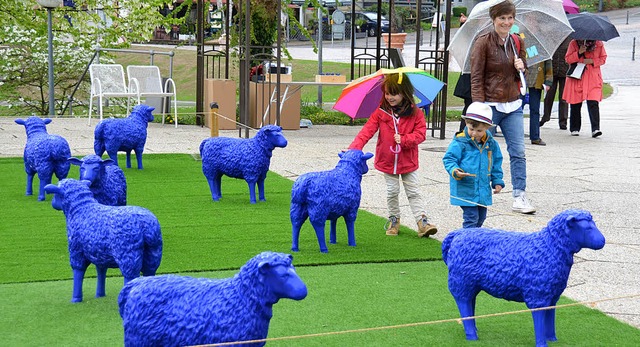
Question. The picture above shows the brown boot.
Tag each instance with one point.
(425, 229)
(393, 226)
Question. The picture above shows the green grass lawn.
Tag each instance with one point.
(381, 282)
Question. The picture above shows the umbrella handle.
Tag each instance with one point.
(523, 84)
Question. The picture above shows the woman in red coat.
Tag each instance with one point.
(589, 87)
(401, 127)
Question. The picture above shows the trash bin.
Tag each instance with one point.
(222, 91)
(260, 94)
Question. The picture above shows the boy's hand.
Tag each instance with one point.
(460, 173)
(497, 189)
(396, 137)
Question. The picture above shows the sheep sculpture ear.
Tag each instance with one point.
(47, 120)
(263, 268)
(368, 156)
(108, 162)
(75, 161)
(20, 121)
(52, 189)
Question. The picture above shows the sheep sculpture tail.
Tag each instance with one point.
(152, 239)
(98, 142)
(446, 244)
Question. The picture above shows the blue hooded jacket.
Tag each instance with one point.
(483, 160)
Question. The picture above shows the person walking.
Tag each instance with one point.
(463, 91)
(588, 87)
(463, 86)
(495, 78)
(474, 163)
(560, 67)
(539, 78)
(401, 127)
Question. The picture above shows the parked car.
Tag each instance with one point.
(368, 22)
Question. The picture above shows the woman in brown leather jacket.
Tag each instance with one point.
(495, 78)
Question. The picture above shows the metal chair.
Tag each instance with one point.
(107, 81)
(145, 80)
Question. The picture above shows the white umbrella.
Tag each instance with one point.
(542, 23)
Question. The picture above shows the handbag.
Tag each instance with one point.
(576, 70)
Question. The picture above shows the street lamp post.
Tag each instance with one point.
(50, 5)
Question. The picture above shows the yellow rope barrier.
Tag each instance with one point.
(449, 320)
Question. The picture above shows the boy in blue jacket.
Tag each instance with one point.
(474, 163)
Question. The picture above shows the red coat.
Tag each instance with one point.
(413, 131)
(589, 87)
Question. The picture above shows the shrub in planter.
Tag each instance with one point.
(459, 10)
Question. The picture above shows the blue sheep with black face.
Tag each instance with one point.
(525, 267)
(247, 159)
(108, 184)
(329, 195)
(44, 154)
(124, 237)
(124, 135)
(172, 310)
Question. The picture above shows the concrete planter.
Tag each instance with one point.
(397, 40)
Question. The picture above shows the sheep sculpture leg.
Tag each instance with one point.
(215, 185)
(138, 151)
(102, 279)
(467, 307)
(78, 277)
(30, 174)
(318, 226)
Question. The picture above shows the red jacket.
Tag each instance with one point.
(413, 131)
(589, 87)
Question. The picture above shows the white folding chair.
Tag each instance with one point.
(145, 80)
(107, 81)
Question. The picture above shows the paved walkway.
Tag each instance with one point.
(600, 175)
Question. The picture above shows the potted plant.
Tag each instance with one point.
(360, 30)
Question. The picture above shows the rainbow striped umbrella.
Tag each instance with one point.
(362, 96)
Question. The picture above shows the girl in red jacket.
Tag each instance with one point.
(401, 127)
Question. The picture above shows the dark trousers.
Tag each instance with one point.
(575, 122)
(467, 102)
(563, 107)
(473, 216)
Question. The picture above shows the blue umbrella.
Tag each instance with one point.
(589, 26)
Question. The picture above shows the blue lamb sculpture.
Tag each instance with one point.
(525, 267)
(172, 310)
(329, 195)
(124, 237)
(124, 135)
(248, 159)
(108, 184)
(44, 154)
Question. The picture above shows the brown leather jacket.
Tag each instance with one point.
(493, 77)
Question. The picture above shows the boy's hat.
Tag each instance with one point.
(480, 112)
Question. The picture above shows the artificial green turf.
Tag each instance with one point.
(341, 297)
(198, 234)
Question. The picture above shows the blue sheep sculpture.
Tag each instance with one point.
(44, 154)
(248, 159)
(124, 237)
(108, 184)
(124, 135)
(172, 310)
(329, 195)
(525, 267)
